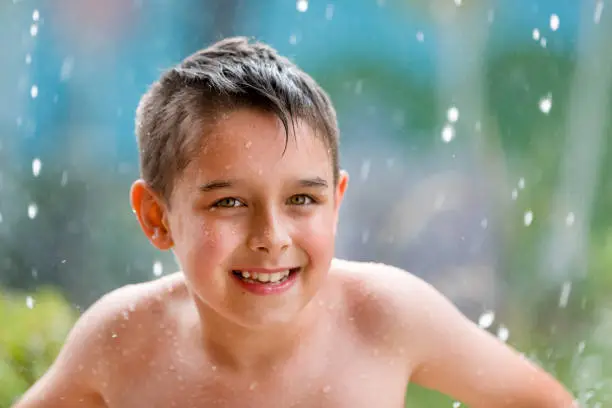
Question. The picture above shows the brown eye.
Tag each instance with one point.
(300, 199)
(228, 202)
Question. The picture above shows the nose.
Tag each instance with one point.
(269, 234)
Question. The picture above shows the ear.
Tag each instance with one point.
(151, 212)
(343, 179)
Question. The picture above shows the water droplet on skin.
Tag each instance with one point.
(32, 211)
(452, 114)
(535, 34)
(34, 30)
(326, 389)
(252, 386)
(554, 22)
(448, 133)
(420, 36)
(114, 335)
(34, 91)
(36, 166)
(565, 292)
(329, 12)
(248, 145)
(486, 319)
(158, 268)
(302, 6)
(214, 368)
(570, 219)
(528, 218)
(30, 302)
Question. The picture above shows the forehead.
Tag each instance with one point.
(249, 141)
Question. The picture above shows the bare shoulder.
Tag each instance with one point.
(101, 342)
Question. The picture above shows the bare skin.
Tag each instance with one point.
(342, 334)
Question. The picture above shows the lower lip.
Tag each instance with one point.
(258, 288)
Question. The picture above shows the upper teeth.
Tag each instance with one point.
(265, 277)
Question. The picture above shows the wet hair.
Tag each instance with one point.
(174, 115)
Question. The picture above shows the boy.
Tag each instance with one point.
(240, 179)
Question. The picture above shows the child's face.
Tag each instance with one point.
(252, 201)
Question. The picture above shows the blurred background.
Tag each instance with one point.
(476, 133)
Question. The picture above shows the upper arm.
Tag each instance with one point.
(457, 358)
(80, 369)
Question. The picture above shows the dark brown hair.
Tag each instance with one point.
(230, 74)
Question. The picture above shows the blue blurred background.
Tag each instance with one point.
(475, 132)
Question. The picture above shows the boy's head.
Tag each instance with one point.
(240, 178)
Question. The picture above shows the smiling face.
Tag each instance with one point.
(253, 206)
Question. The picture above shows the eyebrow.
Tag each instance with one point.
(221, 184)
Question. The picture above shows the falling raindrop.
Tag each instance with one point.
(34, 30)
(554, 22)
(456, 404)
(329, 12)
(528, 218)
(458, 2)
(293, 39)
(0, 217)
(36, 166)
(64, 179)
(503, 333)
(484, 223)
(365, 169)
(598, 10)
(365, 235)
(545, 104)
(302, 6)
(535, 34)
(514, 194)
(565, 292)
(543, 42)
(35, 15)
(486, 319)
(521, 183)
(32, 211)
(158, 268)
(34, 91)
(28, 59)
(30, 302)
(420, 36)
(570, 219)
(448, 133)
(452, 114)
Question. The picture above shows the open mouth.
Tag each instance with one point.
(274, 278)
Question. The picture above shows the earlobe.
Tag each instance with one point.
(151, 214)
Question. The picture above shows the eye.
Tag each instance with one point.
(228, 202)
(300, 199)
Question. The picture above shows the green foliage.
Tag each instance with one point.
(30, 338)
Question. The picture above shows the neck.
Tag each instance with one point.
(239, 347)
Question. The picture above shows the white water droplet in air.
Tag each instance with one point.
(566, 289)
(486, 319)
(514, 193)
(456, 404)
(30, 302)
(34, 30)
(503, 333)
(535, 34)
(452, 114)
(302, 6)
(521, 183)
(484, 223)
(448, 133)
(420, 36)
(528, 218)
(365, 236)
(64, 179)
(570, 219)
(35, 15)
(598, 10)
(34, 91)
(32, 211)
(0, 217)
(543, 42)
(28, 59)
(545, 104)
(329, 11)
(365, 169)
(293, 39)
(554, 22)
(158, 268)
(36, 166)
(458, 2)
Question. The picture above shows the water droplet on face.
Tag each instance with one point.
(36, 166)
(448, 133)
(598, 10)
(452, 114)
(365, 169)
(32, 211)
(302, 6)
(329, 12)
(554, 22)
(486, 319)
(565, 292)
(528, 218)
(34, 91)
(570, 219)
(158, 268)
(29, 302)
(252, 386)
(326, 389)
(503, 333)
(248, 145)
(420, 36)
(114, 335)
(34, 30)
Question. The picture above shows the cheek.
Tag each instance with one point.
(317, 236)
(208, 243)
